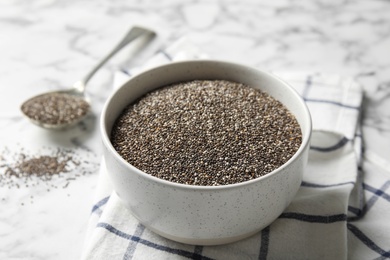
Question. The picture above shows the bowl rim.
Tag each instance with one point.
(108, 145)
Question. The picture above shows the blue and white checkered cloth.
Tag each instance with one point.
(338, 213)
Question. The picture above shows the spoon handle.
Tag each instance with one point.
(133, 34)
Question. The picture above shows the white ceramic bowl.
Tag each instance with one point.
(205, 215)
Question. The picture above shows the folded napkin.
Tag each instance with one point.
(320, 223)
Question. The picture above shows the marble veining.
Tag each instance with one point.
(49, 44)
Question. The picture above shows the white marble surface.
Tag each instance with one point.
(49, 44)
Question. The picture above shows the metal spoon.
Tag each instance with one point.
(75, 96)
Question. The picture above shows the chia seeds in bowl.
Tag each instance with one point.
(206, 133)
(207, 130)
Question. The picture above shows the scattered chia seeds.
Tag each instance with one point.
(54, 167)
(206, 133)
(55, 108)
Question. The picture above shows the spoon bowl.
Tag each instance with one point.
(56, 109)
(65, 108)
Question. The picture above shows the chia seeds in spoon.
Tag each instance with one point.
(206, 133)
(55, 108)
